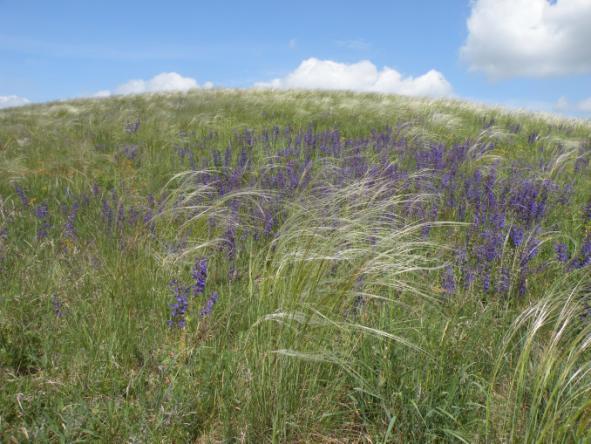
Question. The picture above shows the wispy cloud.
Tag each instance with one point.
(566, 106)
(355, 44)
(146, 52)
(585, 105)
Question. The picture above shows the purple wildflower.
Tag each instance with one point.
(584, 258)
(504, 281)
(356, 307)
(107, 212)
(120, 215)
(515, 128)
(523, 282)
(269, 223)
(96, 190)
(199, 274)
(531, 250)
(581, 163)
(132, 127)
(486, 281)
(41, 213)
(134, 215)
(69, 228)
(516, 234)
(178, 310)
(22, 196)
(425, 230)
(449, 281)
(228, 156)
(151, 200)
(208, 307)
(562, 253)
(130, 151)
(587, 212)
(532, 138)
(149, 221)
(230, 241)
(469, 277)
(565, 194)
(217, 159)
(243, 158)
(491, 246)
(58, 307)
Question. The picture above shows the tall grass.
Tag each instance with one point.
(539, 390)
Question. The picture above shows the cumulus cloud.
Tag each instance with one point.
(11, 101)
(362, 76)
(166, 81)
(535, 38)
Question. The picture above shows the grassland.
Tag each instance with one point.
(255, 266)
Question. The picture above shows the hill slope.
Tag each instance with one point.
(293, 266)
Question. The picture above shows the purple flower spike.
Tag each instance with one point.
(587, 212)
(199, 275)
(69, 229)
(132, 127)
(41, 211)
(208, 307)
(504, 281)
(179, 309)
(486, 282)
(22, 196)
(58, 307)
(449, 281)
(562, 253)
(516, 235)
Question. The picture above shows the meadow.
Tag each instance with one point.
(259, 266)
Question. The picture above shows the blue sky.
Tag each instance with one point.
(522, 53)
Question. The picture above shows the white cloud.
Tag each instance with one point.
(585, 105)
(166, 81)
(565, 106)
(10, 101)
(536, 38)
(362, 76)
(102, 93)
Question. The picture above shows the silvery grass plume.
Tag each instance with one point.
(342, 259)
(190, 203)
(545, 397)
(356, 231)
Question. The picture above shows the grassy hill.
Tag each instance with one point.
(258, 266)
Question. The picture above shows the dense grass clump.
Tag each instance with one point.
(293, 267)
